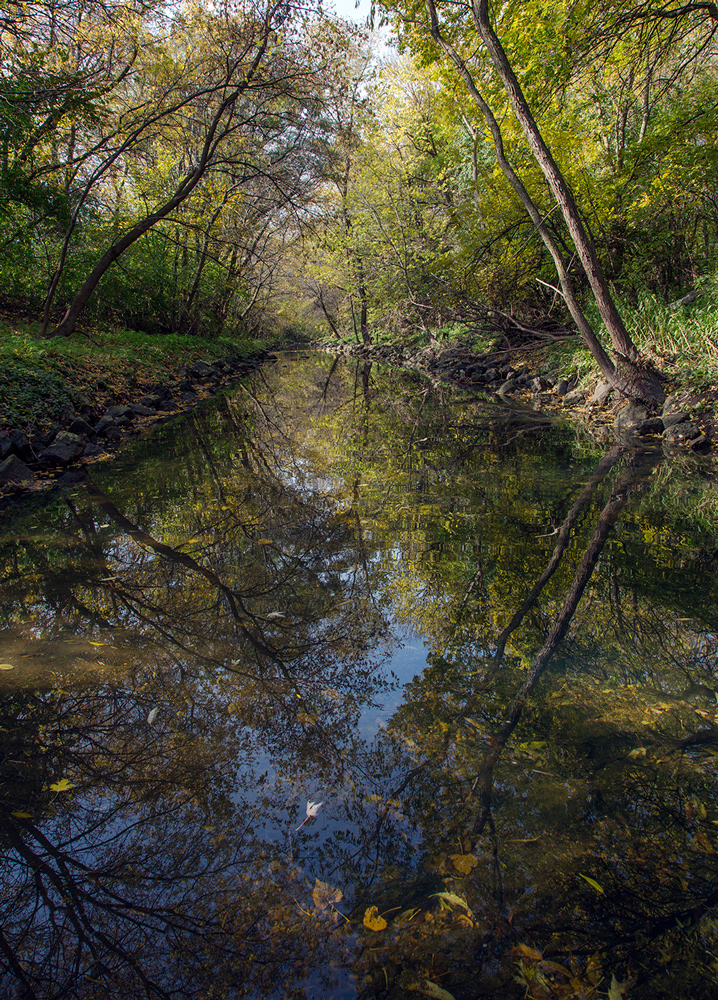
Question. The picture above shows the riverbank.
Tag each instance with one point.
(688, 420)
(69, 402)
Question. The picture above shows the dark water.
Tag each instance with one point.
(487, 649)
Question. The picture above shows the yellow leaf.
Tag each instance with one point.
(63, 785)
(592, 882)
(464, 862)
(95, 643)
(373, 921)
(526, 952)
(20, 815)
(265, 541)
(6, 666)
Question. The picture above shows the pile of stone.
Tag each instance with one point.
(90, 431)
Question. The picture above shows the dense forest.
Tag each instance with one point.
(229, 168)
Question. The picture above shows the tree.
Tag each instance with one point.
(628, 372)
(234, 101)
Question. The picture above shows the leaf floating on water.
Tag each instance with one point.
(63, 785)
(152, 716)
(618, 990)
(20, 815)
(592, 882)
(372, 920)
(312, 810)
(638, 752)
(454, 900)
(276, 614)
(6, 666)
(264, 541)
(325, 895)
(91, 643)
(430, 989)
(464, 863)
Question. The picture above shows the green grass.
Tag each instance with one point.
(40, 379)
(682, 342)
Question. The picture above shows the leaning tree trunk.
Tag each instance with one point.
(641, 382)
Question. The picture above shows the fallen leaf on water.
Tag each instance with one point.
(372, 920)
(638, 752)
(464, 863)
(6, 666)
(20, 815)
(152, 716)
(312, 810)
(63, 785)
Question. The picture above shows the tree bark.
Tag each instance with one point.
(640, 381)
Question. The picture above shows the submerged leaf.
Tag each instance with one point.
(464, 862)
(454, 900)
(325, 895)
(373, 920)
(618, 990)
(592, 882)
(6, 666)
(430, 989)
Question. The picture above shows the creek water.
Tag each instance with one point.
(485, 647)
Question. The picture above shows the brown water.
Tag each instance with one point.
(487, 649)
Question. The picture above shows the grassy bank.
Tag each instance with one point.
(40, 380)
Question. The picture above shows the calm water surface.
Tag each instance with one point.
(486, 648)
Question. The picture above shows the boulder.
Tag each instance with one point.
(506, 387)
(5, 445)
(682, 433)
(120, 411)
(630, 418)
(151, 401)
(654, 425)
(673, 417)
(103, 425)
(66, 447)
(12, 470)
(91, 450)
(601, 393)
(574, 397)
(80, 426)
(20, 443)
(142, 411)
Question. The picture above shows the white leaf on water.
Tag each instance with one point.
(152, 716)
(312, 810)
(276, 614)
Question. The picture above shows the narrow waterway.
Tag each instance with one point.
(346, 686)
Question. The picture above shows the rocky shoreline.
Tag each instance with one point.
(685, 423)
(33, 459)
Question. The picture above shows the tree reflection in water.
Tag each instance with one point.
(248, 582)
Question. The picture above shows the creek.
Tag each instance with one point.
(484, 646)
